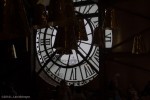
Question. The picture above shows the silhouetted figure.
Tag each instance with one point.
(113, 89)
(63, 91)
(146, 92)
(132, 93)
(78, 94)
(14, 30)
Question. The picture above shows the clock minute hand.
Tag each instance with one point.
(87, 61)
(50, 59)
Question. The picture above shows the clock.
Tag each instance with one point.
(77, 68)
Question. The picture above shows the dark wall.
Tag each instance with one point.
(132, 18)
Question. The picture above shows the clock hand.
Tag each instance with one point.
(82, 50)
(50, 59)
(68, 60)
(85, 9)
(85, 43)
(90, 7)
(54, 63)
(87, 61)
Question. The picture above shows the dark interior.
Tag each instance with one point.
(119, 64)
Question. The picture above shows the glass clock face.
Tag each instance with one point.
(77, 68)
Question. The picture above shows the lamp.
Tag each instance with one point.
(70, 28)
(40, 16)
(55, 12)
(80, 29)
(138, 45)
(65, 41)
(98, 37)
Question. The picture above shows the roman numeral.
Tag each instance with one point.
(108, 37)
(48, 49)
(87, 61)
(89, 8)
(96, 56)
(42, 62)
(58, 71)
(39, 52)
(88, 70)
(47, 41)
(45, 57)
(95, 59)
(73, 75)
(42, 41)
(46, 62)
(47, 69)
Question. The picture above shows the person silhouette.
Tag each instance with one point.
(63, 91)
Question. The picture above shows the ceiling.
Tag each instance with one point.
(136, 6)
(139, 7)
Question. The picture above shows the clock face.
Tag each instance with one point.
(79, 67)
